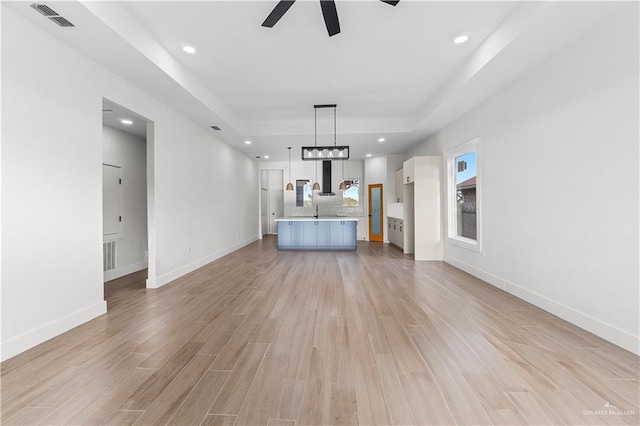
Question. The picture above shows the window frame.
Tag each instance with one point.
(307, 182)
(359, 199)
(451, 194)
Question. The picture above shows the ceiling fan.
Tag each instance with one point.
(329, 13)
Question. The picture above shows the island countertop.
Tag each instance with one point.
(319, 218)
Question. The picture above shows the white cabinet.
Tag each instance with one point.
(395, 233)
(408, 170)
(400, 186)
(422, 229)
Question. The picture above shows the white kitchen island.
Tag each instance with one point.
(321, 233)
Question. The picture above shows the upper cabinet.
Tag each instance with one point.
(400, 186)
(409, 171)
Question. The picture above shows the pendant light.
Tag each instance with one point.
(316, 185)
(343, 184)
(289, 185)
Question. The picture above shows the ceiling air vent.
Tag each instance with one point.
(215, 127)
(61, 21)
(44, 9)
(53, 16)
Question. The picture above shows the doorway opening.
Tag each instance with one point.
(125, 193)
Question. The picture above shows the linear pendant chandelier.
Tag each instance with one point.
(329, 152)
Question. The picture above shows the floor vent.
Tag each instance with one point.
(108, 256)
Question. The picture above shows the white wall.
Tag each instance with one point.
(129, 152)
(560, 183)
(51, 187)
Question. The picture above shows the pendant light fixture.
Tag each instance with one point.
(343, 184)
(289, 185)
(316, 185)
(328, 152)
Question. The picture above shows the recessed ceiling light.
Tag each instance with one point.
(127, 122)
(247, 142)
(368, 155)
(461, 39)
(189, 49)
(266, 156)
(381, 140)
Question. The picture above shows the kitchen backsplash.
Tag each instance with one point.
(328, 205)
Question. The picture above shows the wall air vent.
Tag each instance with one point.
(108, 256)
(53, 16)
(61, 21)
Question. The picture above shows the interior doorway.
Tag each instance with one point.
(375, 213)
(125, 192)
(273, 182)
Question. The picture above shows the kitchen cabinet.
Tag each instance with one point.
(310, 233)
(324, 232)
(408, 171)
(422, 228)
(395, 232)
(400, 186)
(317, 234)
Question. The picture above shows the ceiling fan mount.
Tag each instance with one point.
(329, 12)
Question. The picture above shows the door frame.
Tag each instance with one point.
(264, 212)
(376, 237)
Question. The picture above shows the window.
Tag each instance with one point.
(303, 193)
(351, 195)
(464, 196)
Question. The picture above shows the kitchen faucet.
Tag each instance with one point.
(316, 215)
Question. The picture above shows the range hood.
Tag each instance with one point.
(326, 179)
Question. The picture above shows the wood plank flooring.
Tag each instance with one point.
(262, 337)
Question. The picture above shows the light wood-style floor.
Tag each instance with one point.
(263, 337)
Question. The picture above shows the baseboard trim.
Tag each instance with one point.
(476, 272)
(593, 325)
(158, 282)
(28, 340)
(125, 270)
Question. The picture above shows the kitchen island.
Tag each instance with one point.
(317, 233)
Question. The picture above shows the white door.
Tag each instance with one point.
(276, 205)
(111, 216)
(264, 210)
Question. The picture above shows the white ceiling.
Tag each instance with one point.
(394, 72)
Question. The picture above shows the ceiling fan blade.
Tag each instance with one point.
(277, 13)
(330, 16)
(392, 3)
